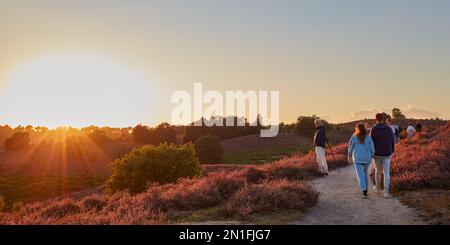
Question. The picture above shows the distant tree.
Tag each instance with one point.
(397, 114)
(305, 125)
(165, 133)
(209, 149)
(19, 140)
(99, 137)
(142, 134)
(41, 129)
(125, 133)
(5, 132)
(192, 133)
(29, 128)
(19, 128)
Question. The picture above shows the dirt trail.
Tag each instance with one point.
(340, 202)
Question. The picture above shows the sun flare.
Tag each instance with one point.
(76, 90)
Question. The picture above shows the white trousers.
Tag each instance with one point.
(321, 159)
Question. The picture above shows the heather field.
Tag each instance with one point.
(423, 161)
(276, 190)
(420, 173)
(46, 170)
(224, 194)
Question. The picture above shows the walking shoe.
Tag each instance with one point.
(325, 173)
(386, 195)
(364, 193)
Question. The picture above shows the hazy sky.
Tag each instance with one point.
(338, 59)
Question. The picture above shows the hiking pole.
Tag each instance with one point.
(333, 157)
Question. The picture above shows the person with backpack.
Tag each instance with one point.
(319, 143)
(383, 140)
(360, 152)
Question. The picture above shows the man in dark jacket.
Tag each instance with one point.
(319, 143)
(383, 139)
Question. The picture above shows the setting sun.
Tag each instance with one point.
(76, 90)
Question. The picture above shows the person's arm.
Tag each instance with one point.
(316, 137)
(351, 147)
(393, 143)
(371, 146)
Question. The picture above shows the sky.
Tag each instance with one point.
(118, 62)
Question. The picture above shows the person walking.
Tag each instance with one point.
(410, 131)
(319, 143)
(368, 127)
(395, 129)
(418, 127)
(383, 140)
(360, 152)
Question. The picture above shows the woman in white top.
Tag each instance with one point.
(410, 131)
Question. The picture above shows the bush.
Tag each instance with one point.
(153, 164)
(305, 125)
(94, 202)
(19, 140)
(273, 195)
(17, 206)
(60, 209)
(2, 203)
(188, 194)
(209, 149)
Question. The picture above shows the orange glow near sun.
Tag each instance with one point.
(76, 90)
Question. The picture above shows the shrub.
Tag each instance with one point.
(2, 203)
(153, 164)
(253, 174)
(209, 149)
(60, 209)
(273, 195)
(193, 194)
(94, 202)
(186, 195)
(17, 141)
(17, 206)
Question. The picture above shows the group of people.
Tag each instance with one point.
(368, 144)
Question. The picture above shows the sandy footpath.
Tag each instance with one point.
(340, 202)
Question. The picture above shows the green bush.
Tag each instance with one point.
(209, 149)
(153, 164)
